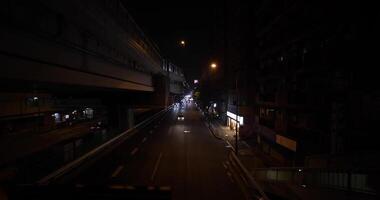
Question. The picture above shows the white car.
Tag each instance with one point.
(180, 117)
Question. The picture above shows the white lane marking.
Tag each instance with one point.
(186, 131)
(229, 174)
(134, 151)
(230, 177)
(224, 165)
(156, 167)
(117, 171)
(143, 140)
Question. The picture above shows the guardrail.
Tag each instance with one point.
(215, 131)
(108, 146)
(254, 189)
(341, 179)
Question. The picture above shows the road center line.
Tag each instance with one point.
(156, 167)
(117, 171)
(134, 151)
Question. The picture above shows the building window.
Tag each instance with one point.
(89, 112)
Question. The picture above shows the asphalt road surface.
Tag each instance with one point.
(182, 155)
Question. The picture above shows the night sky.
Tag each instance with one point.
(166, 23)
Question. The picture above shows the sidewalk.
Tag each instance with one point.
(252, 159)
(248, 154)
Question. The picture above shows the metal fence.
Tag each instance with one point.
(342, 179)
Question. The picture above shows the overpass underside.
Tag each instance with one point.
(27, 57)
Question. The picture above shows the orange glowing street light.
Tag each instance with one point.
(213, 65)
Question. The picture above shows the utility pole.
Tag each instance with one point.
(237, 124)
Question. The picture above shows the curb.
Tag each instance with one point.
(250, 181)
(220, 138)
(213, 133)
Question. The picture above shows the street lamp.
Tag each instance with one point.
(237, 113)
(183, 43)
(213, 65)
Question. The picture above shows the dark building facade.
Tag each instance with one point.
(305, 80)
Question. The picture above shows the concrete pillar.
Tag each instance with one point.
(161, 90)
(130, 118)
(121, 117)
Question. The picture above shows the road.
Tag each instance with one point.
(182, 155)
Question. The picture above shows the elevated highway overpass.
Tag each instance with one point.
(86, 43)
